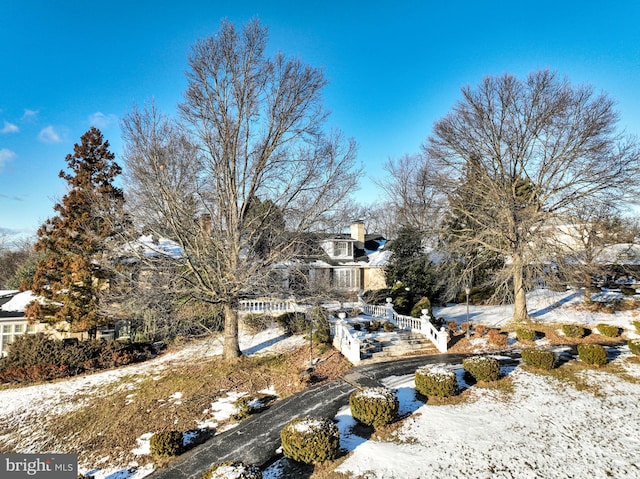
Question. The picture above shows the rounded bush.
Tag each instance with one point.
(608, 330)
(236, 470)
(573, 331)
(482, 368)
(538, 358)
(374, 406)
(388, 326)
(166, 443)
(434, 381)
(593, 354)
(634, 346)
(496, 338)
(636, 324)
(525, 334)
(310, 440)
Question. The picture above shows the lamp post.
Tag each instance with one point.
(467, 290)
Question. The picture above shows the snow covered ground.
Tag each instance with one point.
(542, 429)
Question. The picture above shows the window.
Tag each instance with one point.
(345, 278)
(342, 248)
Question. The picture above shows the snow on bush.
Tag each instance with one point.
(310, 440)
(436, 381)
(374, 406)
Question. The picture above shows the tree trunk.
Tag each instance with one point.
(520, 313)
(231, 348)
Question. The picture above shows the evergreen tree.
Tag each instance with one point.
(75, 242)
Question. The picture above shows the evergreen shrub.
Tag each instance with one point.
(433, 381)
(255, 323)
(608, 330)
(243, 407)
(573, 331)
(538, 358)
(374, 406)
(310, 440)
(423, 303)
(627, 291)
(482, 368)
(321, 327)
(525, 334)
(634, 346)
(388, 326)
(593, 354)
(636, 324)
(293, 323)
(235, 470)
(166, 443)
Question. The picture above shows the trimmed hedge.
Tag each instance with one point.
(482, 368)
(538, 358)
(634, 346)
(608, 330)
(434, 381)
(374, 406)
(166, 443)
(573, 331)
(229, 469)
(310, 440)
(593, 354)
(525, 334)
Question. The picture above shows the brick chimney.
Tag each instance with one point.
(357, 230)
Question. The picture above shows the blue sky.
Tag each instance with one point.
(394, 69)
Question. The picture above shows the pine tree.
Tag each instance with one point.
(75, 241)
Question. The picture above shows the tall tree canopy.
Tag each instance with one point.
(517, 157)
(75, 241)
(246, 169)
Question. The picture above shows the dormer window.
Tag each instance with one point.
(342, 249)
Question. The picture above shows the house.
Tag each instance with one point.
(12, 320)
(351, 262)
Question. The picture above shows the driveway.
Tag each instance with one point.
(256, 439)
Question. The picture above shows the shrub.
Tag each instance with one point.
(243, 407)
(433, 381)
(497, 339)
(374, 406)
(636, 324)
(373, 326)
(452, 325)
(255, 323)
(423, 303)
(237, 470)
(538, 358)
(166, 443)
(388, 326)
(482, 368)
(573, 331)
(593, 354)
(525, 334)
(321, 328)
(310, 440)
(627, 291)
(634, 346)
(293, 323)
(480, 330)
(608, 330)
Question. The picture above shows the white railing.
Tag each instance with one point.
(374, 310)
(420, 325)
(268, 306)
(345, 342)
(423, 326)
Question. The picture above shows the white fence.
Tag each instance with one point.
(269, 306)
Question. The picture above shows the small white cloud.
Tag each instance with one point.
(49, 135)
(9, 128)
(100, 120)
(29, 114)
(5, 156)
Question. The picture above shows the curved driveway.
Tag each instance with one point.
(256, 439)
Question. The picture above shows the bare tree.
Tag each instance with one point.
(250, 153)
(520, 155)
(411, 193)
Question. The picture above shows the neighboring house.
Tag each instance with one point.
(12, 320)
(351, 262)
